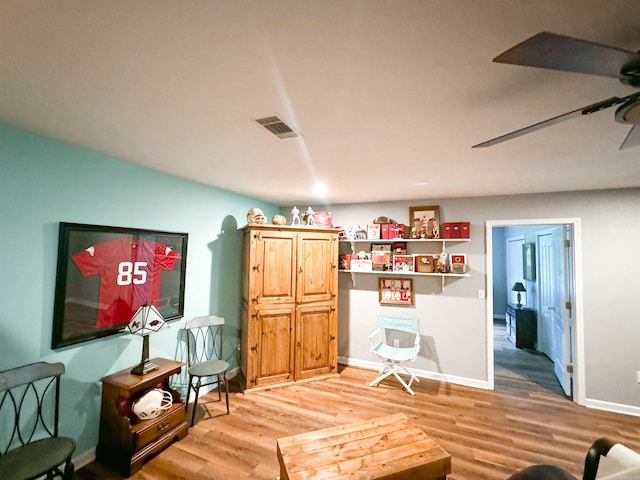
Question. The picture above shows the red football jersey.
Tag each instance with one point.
(129, 275)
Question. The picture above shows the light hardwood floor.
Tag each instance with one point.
(489, 434)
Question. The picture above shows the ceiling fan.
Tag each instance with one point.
(559, 52)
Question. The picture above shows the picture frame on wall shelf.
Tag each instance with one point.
(458, 263)
(104, 274)
(395, 291)
(425, 222)
(529, 261)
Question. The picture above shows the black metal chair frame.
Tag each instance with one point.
(30, 446)
(598, 449)
(204, 358)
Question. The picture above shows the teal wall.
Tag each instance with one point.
(44, 182)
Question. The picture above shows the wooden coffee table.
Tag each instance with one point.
(382, 448)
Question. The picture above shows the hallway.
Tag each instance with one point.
(517, 368)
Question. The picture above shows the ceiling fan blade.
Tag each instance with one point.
(596, 107)
(632, 139)
(559, 52)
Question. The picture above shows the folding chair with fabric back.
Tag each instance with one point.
(396, 342)
(204, 357)
(29, 408)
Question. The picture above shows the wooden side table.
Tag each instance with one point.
(125, 441)
(384, 447)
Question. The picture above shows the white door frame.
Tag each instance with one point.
(578, 318)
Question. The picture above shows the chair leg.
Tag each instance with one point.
(195, 401)
(226, 387)
(186, 403)
(404, 384)
(384, 373)
(68, 470)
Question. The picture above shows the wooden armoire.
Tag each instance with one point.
(289, 304)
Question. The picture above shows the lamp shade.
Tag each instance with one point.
(518, 287)
(146, 320)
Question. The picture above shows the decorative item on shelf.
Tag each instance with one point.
(279, 220)
(362, 263)
(373, 231)
(442, 264)
(425, 222)
(145, 321)
(381, 256)
(403, 263)
(322, 219)
(308, 217)
(519, 287)
(458, 263)
(356, 232)
(425, 263)
(399, 248)
(455, 229)
(255, 216)
(295, 216)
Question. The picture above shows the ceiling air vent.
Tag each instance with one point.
(277, 127)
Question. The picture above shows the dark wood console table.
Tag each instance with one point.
(521, 326)
(126, 441)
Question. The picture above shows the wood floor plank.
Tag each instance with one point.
(489, 434)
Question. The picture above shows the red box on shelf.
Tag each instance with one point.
(447, 230)
(455, 230)
(464, 229)
(398, 231)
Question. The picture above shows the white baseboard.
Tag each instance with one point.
(84, 459)
(612, 407)
(441, 377)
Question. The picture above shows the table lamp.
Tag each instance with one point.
(518, 287)
(145, 321)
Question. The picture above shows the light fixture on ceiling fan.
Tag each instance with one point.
(559, 52)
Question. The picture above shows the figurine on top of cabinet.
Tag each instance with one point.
(295, 220)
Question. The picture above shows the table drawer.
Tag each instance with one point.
(155, 428)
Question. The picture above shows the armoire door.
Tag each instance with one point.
(317, 267)
(315, 349)
(272, 267)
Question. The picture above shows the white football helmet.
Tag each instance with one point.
(152, 403)
(255, 216)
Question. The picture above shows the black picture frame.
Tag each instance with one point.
(105, 273)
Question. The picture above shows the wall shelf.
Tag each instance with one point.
(353, 242)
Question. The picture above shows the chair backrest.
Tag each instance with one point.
(29, 404)
(204, 339)
(400, 332)
(403, 324)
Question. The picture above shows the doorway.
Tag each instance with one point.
(562, 322)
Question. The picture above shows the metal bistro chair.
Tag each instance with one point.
(204, 357)
(29, 408)
(396, 342)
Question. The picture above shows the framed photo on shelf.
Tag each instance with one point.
(425, 221)
(529, 261)
(458, 263)
(395, 291)
(105, 273)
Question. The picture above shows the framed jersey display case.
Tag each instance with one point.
(105, 273)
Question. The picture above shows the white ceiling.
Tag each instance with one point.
(389, 95)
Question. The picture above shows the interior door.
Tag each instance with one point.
(555, 329)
